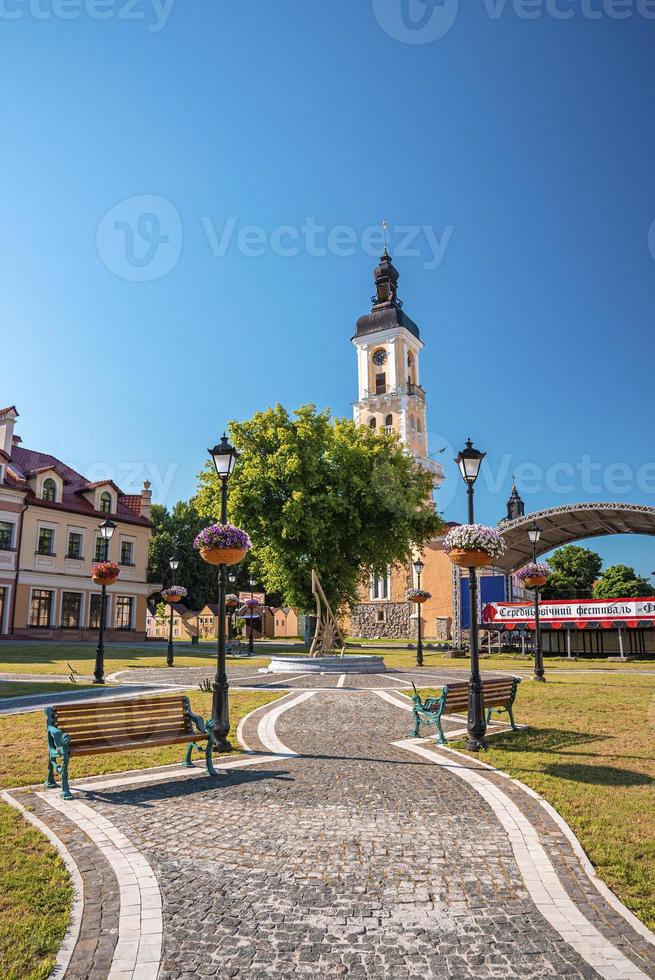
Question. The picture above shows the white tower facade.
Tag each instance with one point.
(390, 395)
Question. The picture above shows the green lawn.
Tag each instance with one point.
(55, 658)
(589, 752)
(21, 689)
(35, 893)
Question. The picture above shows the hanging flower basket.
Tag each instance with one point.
(473, 545)
(534, 575)
(105, 573)
(222, 544)
(251, 603)
(418, 595)
(231, 601)
(174, 593)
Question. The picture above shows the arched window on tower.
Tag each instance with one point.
(388, 423)
(412, 423)
(419, 424)
(410, 369)
(49, 491)
(372, 422)
(105, 502)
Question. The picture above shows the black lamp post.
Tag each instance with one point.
(232, 580)
(419, 568)
(224, 456)
(252, 583)
(469, 462)
(539, 675)
(106, 530)
(174, 563)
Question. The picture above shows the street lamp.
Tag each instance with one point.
(106, 531)
(534, 534)
(469, 461)
(419, 568)
(252, 583)
(174, 564)
(224, 457)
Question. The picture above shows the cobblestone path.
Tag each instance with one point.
(355, 857)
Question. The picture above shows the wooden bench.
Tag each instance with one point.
(96, 727)
(498, 695)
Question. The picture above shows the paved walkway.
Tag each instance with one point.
(336, 847)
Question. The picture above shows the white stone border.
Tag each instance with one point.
(538, 873)
(73, 929)
(266, 728)
(580, 852)
(140, 926)
(240, 727)
(577, 847)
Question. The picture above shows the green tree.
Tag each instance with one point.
(622, 582)
(575, 570)
(314, 492)
(173, 535)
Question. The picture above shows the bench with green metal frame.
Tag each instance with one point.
(96, 727)
(498, 695)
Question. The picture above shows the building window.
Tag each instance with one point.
(100, 549)
(124, 612)
(380, 587)
(71, 610)
(380, 384)
(105, 502)
(126, 553)
(49, 491)
(372, 424)
(40, 608)
(412, 423)
(380, 616)
(46, 541)
(94, 611)
(388, 423)
(419, 425)
(6, 535)
(74, 545)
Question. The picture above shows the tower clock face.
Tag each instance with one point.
(380, 357)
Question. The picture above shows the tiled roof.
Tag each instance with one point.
(8, 410)
(26, 462)
(133, 502)
(101, 483)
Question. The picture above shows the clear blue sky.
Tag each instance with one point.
(524, 145)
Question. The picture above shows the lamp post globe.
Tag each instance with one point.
(106, 532)
(173, 565)
(224, 456)
(419, 568)
(534, 534)
(469, 461)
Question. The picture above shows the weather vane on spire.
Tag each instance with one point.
(385, 228)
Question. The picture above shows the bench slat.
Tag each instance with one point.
(128, 737)
(98, 724)
(120, 746)
(165, 725)
(101, 707)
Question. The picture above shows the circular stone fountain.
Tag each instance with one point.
(327, 665)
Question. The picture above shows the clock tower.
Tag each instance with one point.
(389, 346)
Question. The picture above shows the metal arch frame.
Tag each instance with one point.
(549, 516)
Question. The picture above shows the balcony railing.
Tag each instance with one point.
(408, 389)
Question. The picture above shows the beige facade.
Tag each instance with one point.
(49, 542)
(185, 623)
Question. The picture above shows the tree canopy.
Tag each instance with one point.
(575, 570)
(622, 582)
(323, 493)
